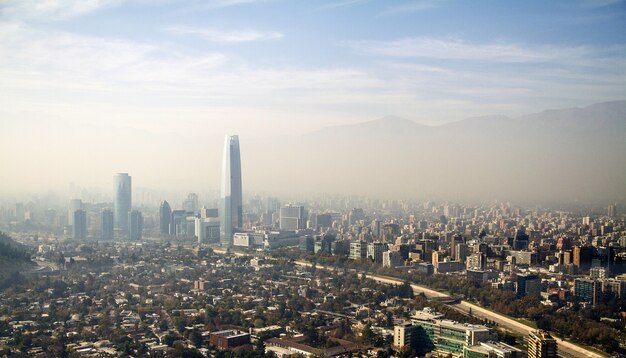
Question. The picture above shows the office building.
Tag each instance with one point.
(541, 345)
(588, 290)
(191, 204)
(165, 215)
(207, 230)
(229, 338)
(75, 205)
(375, 251)
(79, 229)
(292, 217)
(208, 213)
(440, 336)
(583, 256)
(358, 250)
(122, 188)
(135, 225)
(492, 350)
(392, 259)
(106, 225)
(231, 210)
(528, 284)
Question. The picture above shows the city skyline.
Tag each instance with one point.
(130, 86)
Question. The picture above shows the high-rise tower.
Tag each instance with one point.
(231, 210)
(123, 199)
(165, 215)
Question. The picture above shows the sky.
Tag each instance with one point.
(92, 87)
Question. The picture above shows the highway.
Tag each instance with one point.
(566, 349)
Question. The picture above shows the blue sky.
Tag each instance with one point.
(260, 68)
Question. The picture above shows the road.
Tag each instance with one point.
(566, 349)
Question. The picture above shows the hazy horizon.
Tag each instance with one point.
(151, 88)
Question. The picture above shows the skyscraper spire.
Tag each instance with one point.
(231, 210)
(123, 199)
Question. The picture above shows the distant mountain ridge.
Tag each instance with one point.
(568, 154)
(613, 112)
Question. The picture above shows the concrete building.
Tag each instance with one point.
(541, 345)
(292, 217)
(207, 230)
(375, 251)
(106, 224)
(135, 225)
(433, 333)
(358, 250)
(229, 338)
(79, 229)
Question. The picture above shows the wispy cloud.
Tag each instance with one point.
(340, 4)
(425, 47)
(51, 10)
(411, 7)
(221, 35)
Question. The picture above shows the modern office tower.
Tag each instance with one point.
(612, 210)
(209, 213)
(460, 252)
(324, 221)
(165, 215)
(231, 211)
(135, 225)
(292, 217)
(122, 187)
(106, 225)
(541, 345)
(178, 222)
(355, 215)
(75, 204)
(191, 203)
(588, 290)
(307, 244)
(438, 335)
(528, 284)
(207, 230)
(79, 229)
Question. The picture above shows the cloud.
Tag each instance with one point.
(51, 10)
(454, 49)
(410, 7)
(340, 4)
(220, 35)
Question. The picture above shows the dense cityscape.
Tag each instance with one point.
(312, 178)
(331, 276)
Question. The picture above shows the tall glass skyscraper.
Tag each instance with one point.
(231, 210)
(123, 199)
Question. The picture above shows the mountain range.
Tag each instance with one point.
(565, 155)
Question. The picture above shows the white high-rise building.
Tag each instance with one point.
(231, 210)
(122, 188)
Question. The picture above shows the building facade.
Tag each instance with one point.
(122, 187)
(231, 210)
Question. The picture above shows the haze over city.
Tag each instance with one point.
(151, 88)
